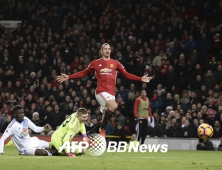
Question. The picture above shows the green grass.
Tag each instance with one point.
(175, 160)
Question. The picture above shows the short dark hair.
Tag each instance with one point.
(143, 90)
(17, 107)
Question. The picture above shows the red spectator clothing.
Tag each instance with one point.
(136, 106)
(106, 72)
(216, 40)
(162, 43)
(163, 67)
(193, 12)
(9, 89)
(9, 111)
(22, 81)
(74, 65)
(183, 14)
(54, 83)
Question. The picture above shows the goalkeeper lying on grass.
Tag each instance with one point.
(68, 129)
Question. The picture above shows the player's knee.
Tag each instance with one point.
(113, 107)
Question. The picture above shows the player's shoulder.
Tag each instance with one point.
(26, 119)
(12, 123)
(73, 116)
(97, 60)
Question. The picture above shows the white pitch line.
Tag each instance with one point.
(36, 157)
(96, 157)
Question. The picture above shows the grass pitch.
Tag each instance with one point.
(175, 160)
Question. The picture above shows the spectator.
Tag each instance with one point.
(119, 117)
(56, 117)
(5, 125)
(35, 119)
(210, 80)
(217, 130)
(121, 131)
(156, 103)
(187, 131)
(205, 144)
(30, 66)
(160, 125)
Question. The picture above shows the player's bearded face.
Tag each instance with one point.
(106, 51)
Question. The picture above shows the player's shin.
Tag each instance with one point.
(107, 116)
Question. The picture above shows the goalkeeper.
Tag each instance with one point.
(68, 129)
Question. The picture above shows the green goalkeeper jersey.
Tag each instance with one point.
(67, 130)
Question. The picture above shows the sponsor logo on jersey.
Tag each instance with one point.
(106, 70)
(100, 65)
(111, 65)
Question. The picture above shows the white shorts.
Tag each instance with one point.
(35, 143)
(102, 98)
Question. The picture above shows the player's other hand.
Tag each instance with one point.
(47, 127)
(62, 78)
(146, 79)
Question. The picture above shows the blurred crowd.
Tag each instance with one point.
(176, 42)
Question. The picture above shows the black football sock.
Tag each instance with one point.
(98, 125)
(108, 115)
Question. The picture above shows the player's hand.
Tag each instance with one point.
(47, 127)
(146, 79)
(62, 78)
(71, 155)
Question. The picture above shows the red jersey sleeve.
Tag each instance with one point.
(123, 71)
(84, 72)
(136, 105)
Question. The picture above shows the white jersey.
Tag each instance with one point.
(19, 134)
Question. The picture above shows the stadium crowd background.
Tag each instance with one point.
(176, 42)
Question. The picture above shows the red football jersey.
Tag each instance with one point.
(106, 72)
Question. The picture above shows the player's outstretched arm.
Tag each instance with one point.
(122, 71)
(35, 128)
(64, 77)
